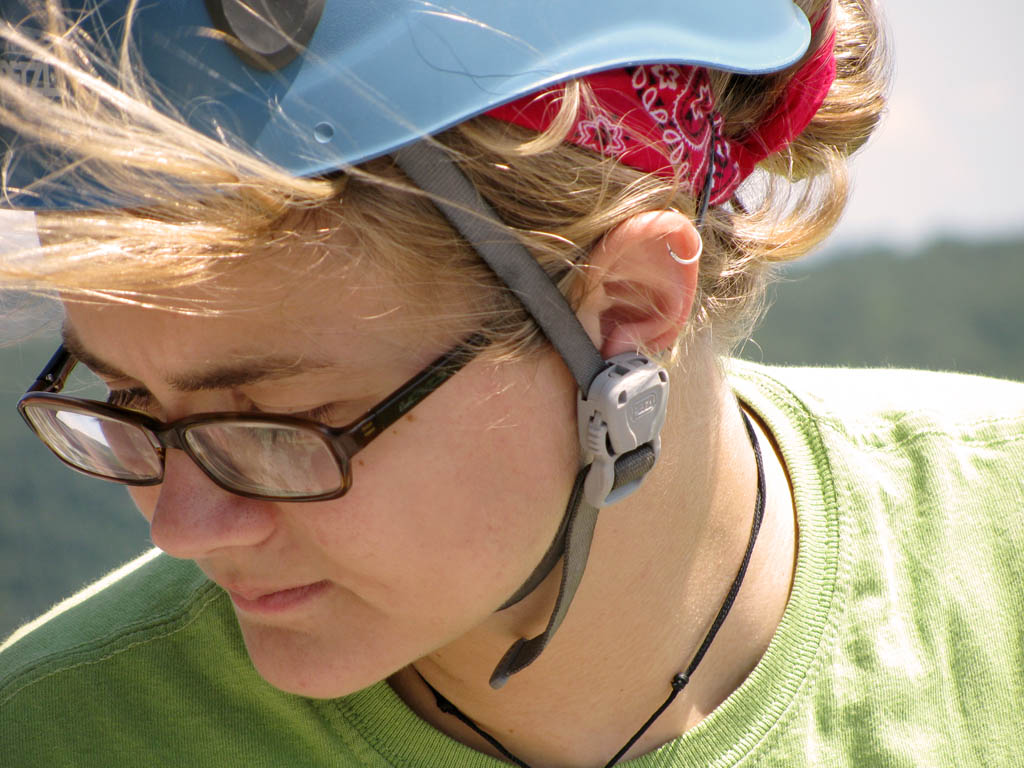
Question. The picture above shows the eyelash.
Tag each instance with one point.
(140, 400)
(321, 413)
(132, 399)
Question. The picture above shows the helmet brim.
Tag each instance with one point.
(376, 76)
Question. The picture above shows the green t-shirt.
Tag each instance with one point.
(902, 643)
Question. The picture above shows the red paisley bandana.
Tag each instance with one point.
(661, 118)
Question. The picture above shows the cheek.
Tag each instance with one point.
(462, 498)
(445, 520)
(145, 498)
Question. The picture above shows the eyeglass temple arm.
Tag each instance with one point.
(55, 373)
(358, 435)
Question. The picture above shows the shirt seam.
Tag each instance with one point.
(191, 612)
(787, 401)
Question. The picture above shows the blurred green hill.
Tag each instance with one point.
(59, 530)
(949, 306)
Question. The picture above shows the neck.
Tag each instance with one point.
(661, 564)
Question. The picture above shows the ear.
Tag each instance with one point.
(641, 283)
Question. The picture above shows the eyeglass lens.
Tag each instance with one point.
(97, 444)
(257, 458)
(266, 459)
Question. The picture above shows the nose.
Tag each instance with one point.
(191, 517)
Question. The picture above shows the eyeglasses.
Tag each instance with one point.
(260, 456)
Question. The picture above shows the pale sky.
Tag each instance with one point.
(948, 159)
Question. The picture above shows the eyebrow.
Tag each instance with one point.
(249, 370)
(74, 345)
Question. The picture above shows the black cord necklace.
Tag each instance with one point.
(680, 680)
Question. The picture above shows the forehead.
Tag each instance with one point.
(269, 312)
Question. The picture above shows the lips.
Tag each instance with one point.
(271, 600)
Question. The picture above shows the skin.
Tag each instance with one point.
(452, 508)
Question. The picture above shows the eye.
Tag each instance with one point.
(136, 399)
(330, 414)
(325, 414)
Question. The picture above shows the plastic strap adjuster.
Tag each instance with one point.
(624, 409)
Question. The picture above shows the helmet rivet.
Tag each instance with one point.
(266, 34)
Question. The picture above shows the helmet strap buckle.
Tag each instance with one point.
(623, 410)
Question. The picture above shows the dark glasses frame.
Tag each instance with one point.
(343, 442)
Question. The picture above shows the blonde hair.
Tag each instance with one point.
(558, 198)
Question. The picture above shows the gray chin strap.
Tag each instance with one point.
(621, 403)
(577, 532)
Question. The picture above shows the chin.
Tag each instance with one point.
(309, 665)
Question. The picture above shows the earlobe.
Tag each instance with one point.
(643, 279)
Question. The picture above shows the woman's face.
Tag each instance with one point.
(450, 508)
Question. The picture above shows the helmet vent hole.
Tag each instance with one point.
(323, 132)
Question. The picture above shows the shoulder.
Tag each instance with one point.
(922, 476)
(892, 408)
(949, 447)
(110, 664)
(139, 603)
(857, 391)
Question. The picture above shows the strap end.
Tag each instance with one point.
(507, 666)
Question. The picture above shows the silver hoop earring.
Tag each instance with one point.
(692, 259)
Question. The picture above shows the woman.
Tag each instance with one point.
(416, 508)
